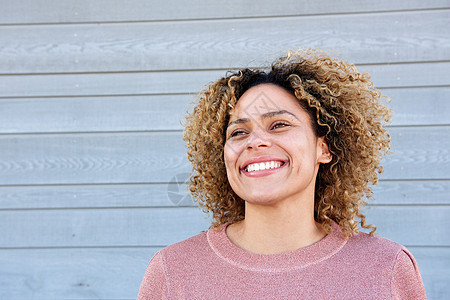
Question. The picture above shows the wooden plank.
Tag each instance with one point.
(117, 273)
(418, 153)
(167, 195)
(419, 106)
(100, 227)
(219, 44)
(407, 75)
(434, 265)
(126, 84)
(148, 83)
(167, 112)
(412, 192)
(73, 273)
(408, 225)
(94, 114)
(95, 196)
(92, 158)
(21, 11)
(412, 225)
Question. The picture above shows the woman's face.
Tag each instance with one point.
(271, 151)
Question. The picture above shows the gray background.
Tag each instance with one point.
(91, 98)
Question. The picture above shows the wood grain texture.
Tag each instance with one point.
(73, 273)
(419, 106)
(100, 227)
(92, 158)
(411, 226)
(418, 192)
(427, 192)
(91, 98)
(22, 12)
(416, 36)
(96, 196)
(36, 274)
(434, 265)
(94, 114)
(418, 153)
(148, 83)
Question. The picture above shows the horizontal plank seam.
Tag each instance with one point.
(412, 87)
(188, 94)
(97, 96)
(135, 71)
(91, 184)
(224, 70)
(418, 125)
(195, 92)
(92, 132)
(172, 130)
(99, 208)
(393, 11)
(179, 207)
(73, 208)
(415, 180)
(137, 132)
(166, 183)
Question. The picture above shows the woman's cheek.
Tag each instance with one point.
(229, 156)
(233, 149)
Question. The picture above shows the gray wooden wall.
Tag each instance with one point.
(91, 98)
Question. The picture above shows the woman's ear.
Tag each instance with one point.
(323, 151)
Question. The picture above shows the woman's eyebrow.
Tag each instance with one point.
(266, 115)
(271, 114)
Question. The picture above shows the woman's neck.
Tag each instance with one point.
(274, 230)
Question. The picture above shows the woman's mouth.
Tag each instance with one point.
(263, 166)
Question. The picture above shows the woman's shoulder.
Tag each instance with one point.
(184, 249)
(373, 243)
(169, 263)
(379, 249)
(364, 245)
(382, 253)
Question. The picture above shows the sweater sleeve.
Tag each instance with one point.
(407, 282)
(154, 284)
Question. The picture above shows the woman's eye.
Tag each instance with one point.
(279, 125)
(237, 132)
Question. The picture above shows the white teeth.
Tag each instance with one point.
(263, 166)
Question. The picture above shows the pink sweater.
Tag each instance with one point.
(210, 266)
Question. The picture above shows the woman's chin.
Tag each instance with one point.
(262, 198)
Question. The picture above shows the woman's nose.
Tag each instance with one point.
(257, 139)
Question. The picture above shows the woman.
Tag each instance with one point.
(282, 160)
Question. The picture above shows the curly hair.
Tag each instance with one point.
(344, 108)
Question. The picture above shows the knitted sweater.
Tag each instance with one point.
(210, 266)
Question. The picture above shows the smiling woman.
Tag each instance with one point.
(278, 134)
(282, 159)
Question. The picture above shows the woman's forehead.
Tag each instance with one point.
(264, 100)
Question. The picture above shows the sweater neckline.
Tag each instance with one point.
(300, 258)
